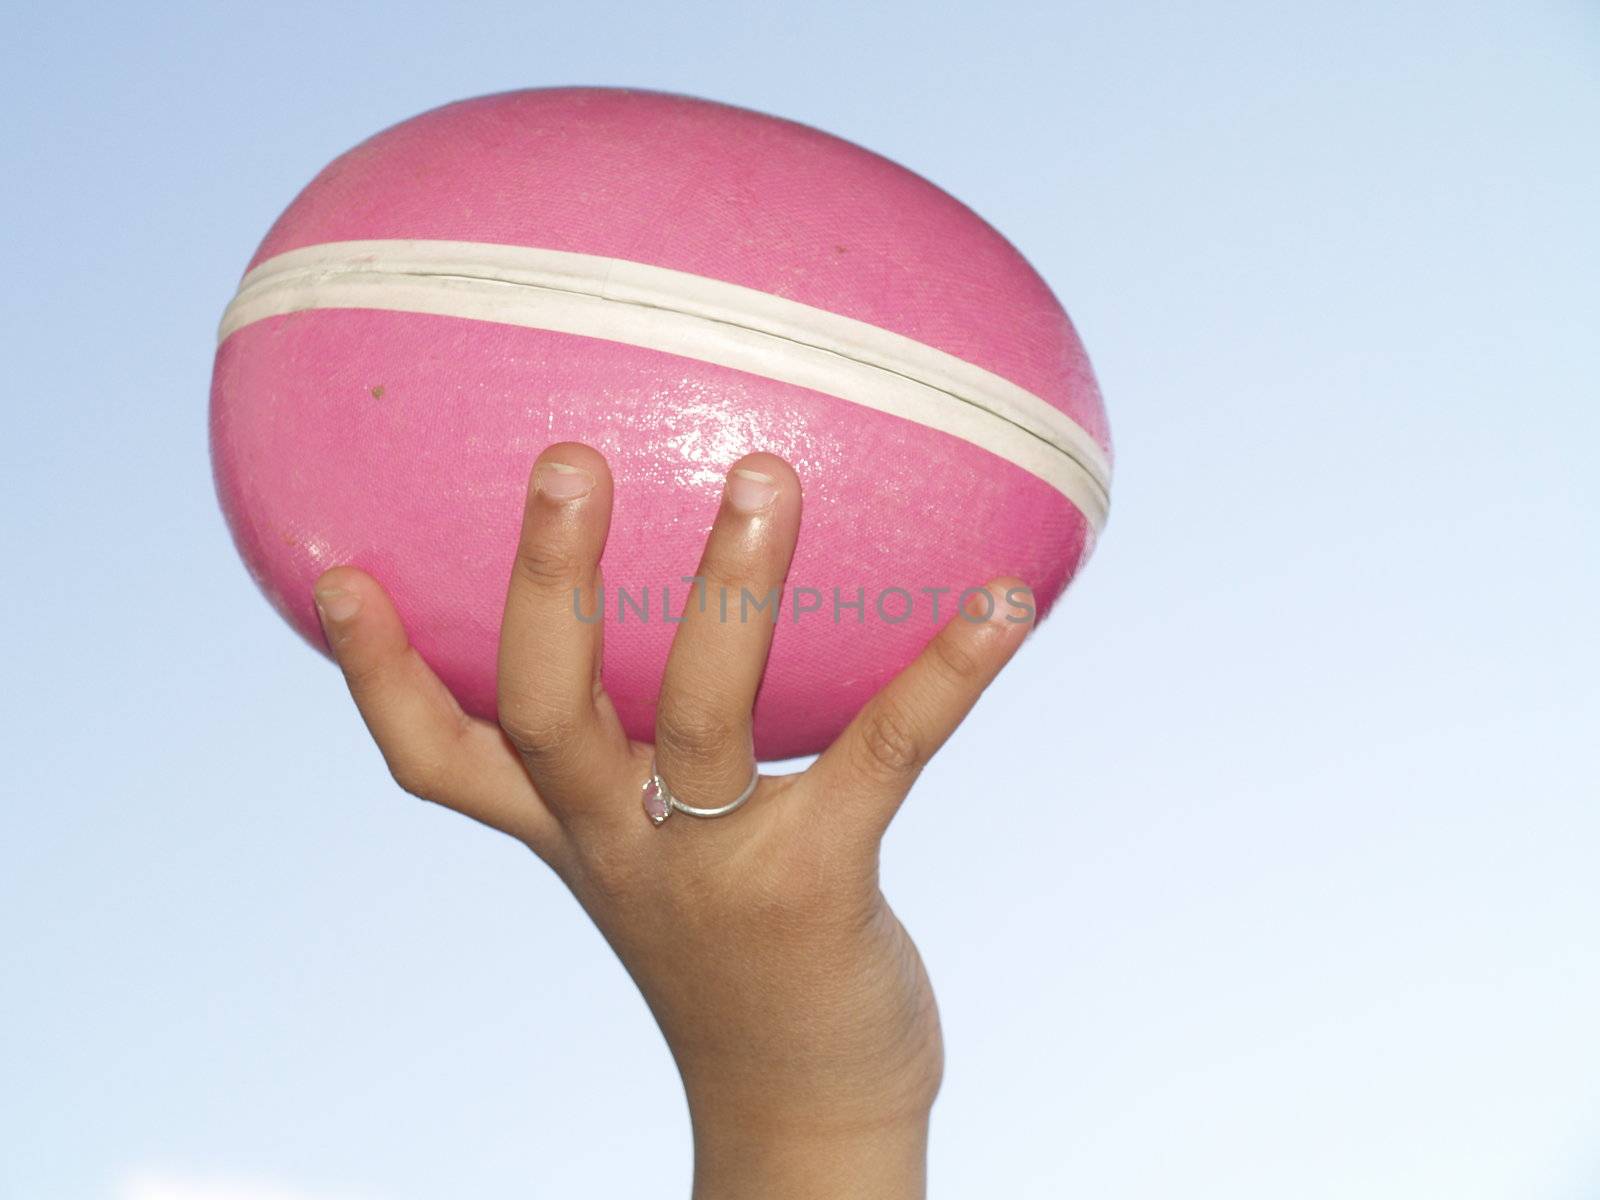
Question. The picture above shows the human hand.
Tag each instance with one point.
(792, 999)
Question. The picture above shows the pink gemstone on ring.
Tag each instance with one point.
(655, 801)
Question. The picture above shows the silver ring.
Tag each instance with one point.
(659, 802)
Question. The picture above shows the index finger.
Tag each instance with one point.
(874, 762)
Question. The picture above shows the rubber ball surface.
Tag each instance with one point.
(804, 297)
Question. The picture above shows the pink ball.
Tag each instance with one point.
(677, 283)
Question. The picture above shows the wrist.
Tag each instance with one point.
(738, 1156)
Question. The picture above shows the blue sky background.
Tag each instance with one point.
(1267, 871)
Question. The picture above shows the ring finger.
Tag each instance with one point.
(704, 747)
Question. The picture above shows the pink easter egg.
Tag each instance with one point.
(677, 283)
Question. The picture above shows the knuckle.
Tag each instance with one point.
(536, 730)
(953, 662)
(690, 732)
(608, 872)
(546, 566)
(419, 775)
(889, 746)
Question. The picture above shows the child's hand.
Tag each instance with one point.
(793, 1000)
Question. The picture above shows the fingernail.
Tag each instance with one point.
(978, 605)
(336, 604)
(561, 482)
(750, 491)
